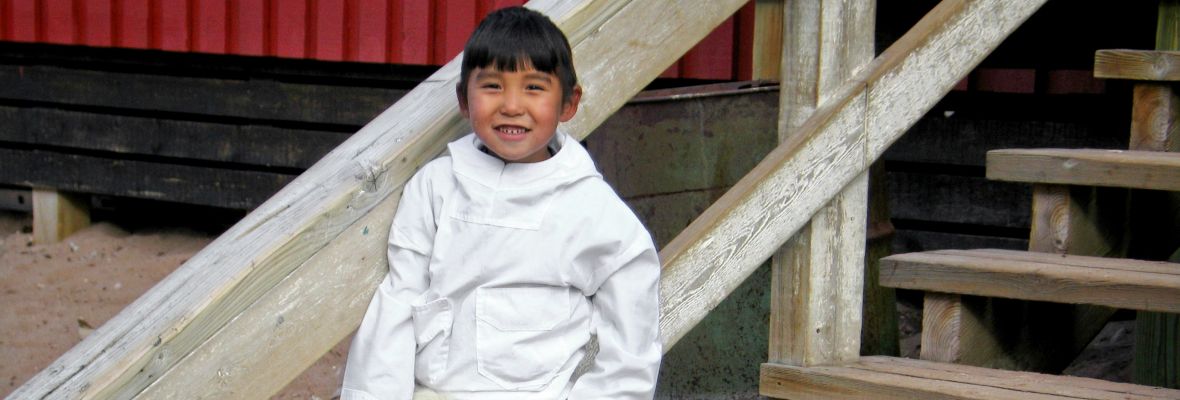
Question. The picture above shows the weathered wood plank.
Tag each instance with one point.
(774, 200)
(57, 215)
(899, 378)
(190, 184)
(1142, 65)
(768, 39)
(817, 277)
(1012, 334)
(259, 145)
(193, 316)
(1133, 284)
(1155, 126)
(17, 199)
(1032, 382)
(232, 96)
(1155, 118)
(1087, 167)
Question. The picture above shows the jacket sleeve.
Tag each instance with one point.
(626, 321)
(381, 359)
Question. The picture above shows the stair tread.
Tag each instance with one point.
(902, 378)
(1146, 65)
(1122, 283)
(1091, 167)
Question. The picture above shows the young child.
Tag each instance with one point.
(507, 254)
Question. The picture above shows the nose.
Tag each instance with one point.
(512, 104)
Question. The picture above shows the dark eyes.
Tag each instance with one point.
(496, 86)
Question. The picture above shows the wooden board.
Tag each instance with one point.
(1143, 65)
(899, 378)
(231, 96)
(57, 215)
(1132, 284)
(194, 320)
(1087, 167)
(1155, 118)
(141, 137)
(1155, 126)
(191, 184)
(832, 148)
(817, 277)
(16, 199)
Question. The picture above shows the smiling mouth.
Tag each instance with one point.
(511, 130)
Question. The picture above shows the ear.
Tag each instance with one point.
(570, 108)
(461, 94)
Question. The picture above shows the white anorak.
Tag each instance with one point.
(498, 276)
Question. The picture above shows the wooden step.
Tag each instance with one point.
(1121, 283)
(902, 378)
(1143, 65)
(1089, 167)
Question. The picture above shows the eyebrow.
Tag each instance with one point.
(536, 75)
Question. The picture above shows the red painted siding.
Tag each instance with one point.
(424, 32)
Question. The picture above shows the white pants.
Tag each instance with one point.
(421, 393)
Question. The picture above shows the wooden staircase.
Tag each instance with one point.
(1045, 274)
(1076, 220)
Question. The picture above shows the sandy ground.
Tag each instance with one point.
(54, 295)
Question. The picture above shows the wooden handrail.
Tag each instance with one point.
(736, 234)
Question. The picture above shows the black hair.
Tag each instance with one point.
(516, 37)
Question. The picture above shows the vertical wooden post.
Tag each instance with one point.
(1155, 126)
(768, 39)
(57, 215)
(817, 277)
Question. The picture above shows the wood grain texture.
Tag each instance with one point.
(1155, 118)
(1132, 284)
(768, 39)
(1087, 167)
(1012, 334)
(57, 215)
(730, 239)
(252, 144)
(1155, 126)
(190, 312)
(899, 378)
(207, 185)
(1143, 65)
(818, 276)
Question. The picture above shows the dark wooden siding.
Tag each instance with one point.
(221, 131)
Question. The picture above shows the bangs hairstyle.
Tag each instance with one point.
(515, 38)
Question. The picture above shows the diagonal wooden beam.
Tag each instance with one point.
(742, 229)
(264, 300)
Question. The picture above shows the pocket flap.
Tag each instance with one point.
(523, 308)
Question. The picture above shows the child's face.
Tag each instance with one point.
(516, 113)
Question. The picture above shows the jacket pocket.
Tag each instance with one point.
(517, 345)
(432, 333)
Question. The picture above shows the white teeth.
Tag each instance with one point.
(512, 131)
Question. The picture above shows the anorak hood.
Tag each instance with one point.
(515, 195)
(569, 164)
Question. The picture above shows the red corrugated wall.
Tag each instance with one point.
(419, 32)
